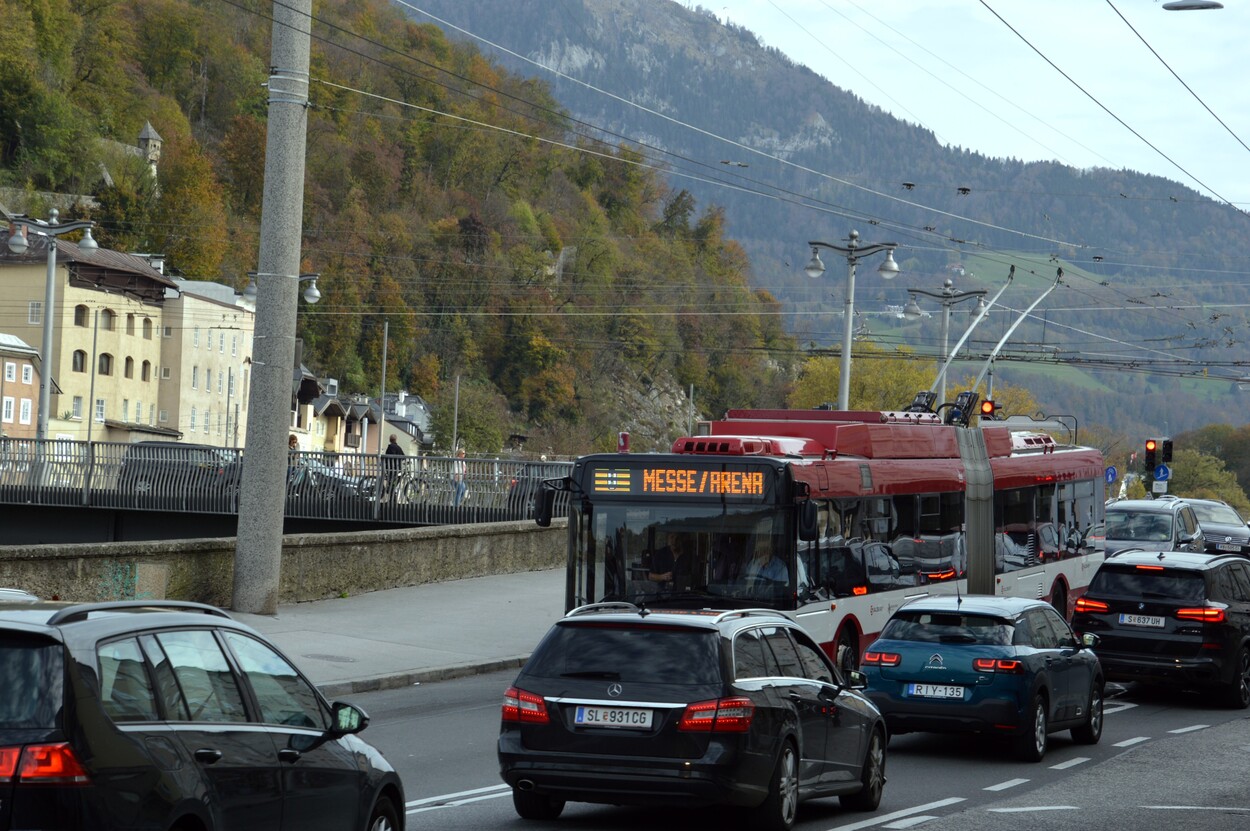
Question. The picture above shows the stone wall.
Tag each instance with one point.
(314, 566)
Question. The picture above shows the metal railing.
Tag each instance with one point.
(175, 476)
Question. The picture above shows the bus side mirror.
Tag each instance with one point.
(809, 527)
(545, 507)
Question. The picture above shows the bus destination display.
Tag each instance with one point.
(669, 481)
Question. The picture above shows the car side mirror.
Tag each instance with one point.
(348, 718)
(856, 680)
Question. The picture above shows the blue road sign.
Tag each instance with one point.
(1162, 473)
(1111, 474)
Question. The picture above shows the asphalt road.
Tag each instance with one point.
(1164, 761)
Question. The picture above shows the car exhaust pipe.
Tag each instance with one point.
(525, 785)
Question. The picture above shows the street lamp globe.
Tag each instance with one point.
(311, 294)
(815, 267)
(912, 310)
(889, 268)
(17, 241)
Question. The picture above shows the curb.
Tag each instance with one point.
(396, 680)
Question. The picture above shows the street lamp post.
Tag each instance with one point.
(948, 297)
(18, 243)
(853, 251)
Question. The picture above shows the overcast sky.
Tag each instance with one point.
(954, 67)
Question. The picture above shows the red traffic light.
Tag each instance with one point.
(1151, 445)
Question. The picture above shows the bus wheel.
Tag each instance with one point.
(1059, 599)
(847, 651)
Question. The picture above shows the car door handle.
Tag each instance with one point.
(286, 754)
(207, 755)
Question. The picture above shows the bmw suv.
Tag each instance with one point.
(1172, 617)
(625, 705)
(158, 715)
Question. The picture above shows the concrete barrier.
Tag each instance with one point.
(314, 566)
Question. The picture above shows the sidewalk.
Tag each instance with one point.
(431, 632)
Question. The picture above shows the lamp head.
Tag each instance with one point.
(17, 240)
(249, 291)
(311, 295)
(87, 243)
(815, 267)
(912, 310)
(889, 268)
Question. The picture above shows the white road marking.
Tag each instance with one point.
(1233, 809)
(1117, 707)
(1190, 728)
(906, 812)
(457, 803)
(437, 801)
(1132, 741)
(1071, 763)
(909, 822)
(1033, 808)
(1002, 786)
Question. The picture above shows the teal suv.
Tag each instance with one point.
(1003, 666)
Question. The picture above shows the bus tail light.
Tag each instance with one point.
(719, 715)
(1006, 665)
(938, 576)
(859, 591)
(1085, 604)
(524, 707)
(883, 659)
(1205, 614)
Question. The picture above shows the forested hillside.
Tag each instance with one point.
(565, 284)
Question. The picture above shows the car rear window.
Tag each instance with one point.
(1140, 526)
(948, 627)
(33, 673)
(1168, 584)
(624, 652)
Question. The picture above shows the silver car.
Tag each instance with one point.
(1166, 524)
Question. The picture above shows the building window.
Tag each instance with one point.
(80, 361)
(167, 331)
(108, 320)
(164, 416)
(195, 337)
(76, 412)
(34, 312)
(234, 345)
(130, 367)
(219, 383)
(99, 409)
(193, 419)
(80, 315)
(195, 377)
(208, 420)
(130, 324)
(147, 371)
(28, 374)
(10, 371)
(221, 343)
(147, 328)
(138, 412)
(208, 380)
(7, 416)
(24, 413)
(125, 410)
(106, 364)
(231, 392)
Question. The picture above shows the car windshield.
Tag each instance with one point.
(1217, 513)
(1169, 584)
(1141, 526)
(628, 653)
(32, 673)
(948, 627)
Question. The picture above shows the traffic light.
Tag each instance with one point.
(988, 410)
(1152, 455)
(1165, 451)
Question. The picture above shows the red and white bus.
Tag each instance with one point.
(863, 510)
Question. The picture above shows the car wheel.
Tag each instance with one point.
(873, 778)
(847, 652)
(1031, 743)
(1091, 731)
(530, 805)
(1059, 600)
(781, 806)
(1238, 696)
(383, 817)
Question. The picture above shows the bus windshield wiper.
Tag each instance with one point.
(593, 673)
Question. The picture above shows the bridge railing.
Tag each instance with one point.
(172, 476)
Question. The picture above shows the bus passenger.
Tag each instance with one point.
(672, 563)
(764, 566)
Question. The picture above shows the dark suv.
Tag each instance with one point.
(1223, 529)
(161, 471)
(168, 715)
(623, 705)
(1172, 617)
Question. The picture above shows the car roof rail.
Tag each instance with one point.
(606, 606)
(10, 595)
(1129, 550)
(733, 613)
(80, 611)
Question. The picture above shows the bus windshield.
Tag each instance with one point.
(726, 555)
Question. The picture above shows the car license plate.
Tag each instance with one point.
(1142, 620)
(612, 717)
(1228, 546)
(935, 691)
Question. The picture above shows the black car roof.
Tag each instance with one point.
(1172, 559)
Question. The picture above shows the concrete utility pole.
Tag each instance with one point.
(262, 492)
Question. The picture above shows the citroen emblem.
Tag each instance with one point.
(935, 661)
(614, 690)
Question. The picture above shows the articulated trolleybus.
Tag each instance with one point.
(835, 518)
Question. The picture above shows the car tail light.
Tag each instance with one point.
(720, 715)
(1205, 614)
(46, 764)
(8, 762)
(1149, 568)
(1085, 604)
(884, 659)
(524, 707)
(1007, 665)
